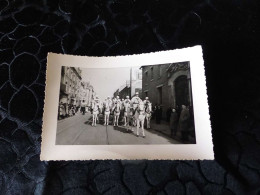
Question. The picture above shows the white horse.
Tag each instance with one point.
(95, 112)
(117, 110)
(127, 114)
(106, 112)
(148, 114)
(134, 108)
(140, 117)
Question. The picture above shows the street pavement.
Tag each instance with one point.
(77, 130)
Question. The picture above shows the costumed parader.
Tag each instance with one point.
(116, 101)
(108, 100)
(97, 102)
(116, 110)
(107, 106)
(127, 100)
(97, 99)
(146, 101)
(135, 102)
(95, 110)
(127, 113)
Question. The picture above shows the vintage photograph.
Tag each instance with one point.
(146, 104)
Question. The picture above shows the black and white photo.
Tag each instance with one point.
(146, 106)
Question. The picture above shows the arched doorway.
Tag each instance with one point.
(181, 91)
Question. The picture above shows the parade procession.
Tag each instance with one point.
(134, 112)
(153, 102)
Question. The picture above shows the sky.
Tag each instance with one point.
(106, 80)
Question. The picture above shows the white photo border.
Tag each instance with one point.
(203, 149)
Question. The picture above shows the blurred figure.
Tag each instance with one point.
(115, 102)
(62, 110)
(173, 122)
(154, 111)
(83, 107)
(135, 102)
(158, 115)
(146, 101)
(168, 114)
(184, 122)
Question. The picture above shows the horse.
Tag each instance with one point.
(95, 112)
(127, 114)
(134, 108)
(116, 113)
(139, 116)
(148, 114)
(106, 112)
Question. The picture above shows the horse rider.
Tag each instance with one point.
(135, 102)
(97, 101)
(108, 100)
(127, 100)
(115, 102)
(146, 101)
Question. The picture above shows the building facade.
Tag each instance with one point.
(116, 93)
(136, 83)
(167, 85)
(124, 92)
(87, 94)
(131, 86)
(136, 87)
(70, 85)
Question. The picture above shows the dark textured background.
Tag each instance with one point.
(228, 32)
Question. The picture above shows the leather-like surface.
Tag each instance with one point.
(227, 31)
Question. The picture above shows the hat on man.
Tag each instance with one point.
(136, 93)
(147, 98)
(127, 97)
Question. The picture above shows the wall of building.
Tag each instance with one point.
(136, 87)
(70, 84)
(131, 86)
(158, 83)
(124, 92)
(86, 93)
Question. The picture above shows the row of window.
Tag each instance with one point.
(70, 73)
(159, 72)
(76, 83)
(70, 89)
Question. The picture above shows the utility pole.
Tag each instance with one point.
(131, 82)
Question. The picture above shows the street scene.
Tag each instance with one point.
(150, 104)
(77, 130)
